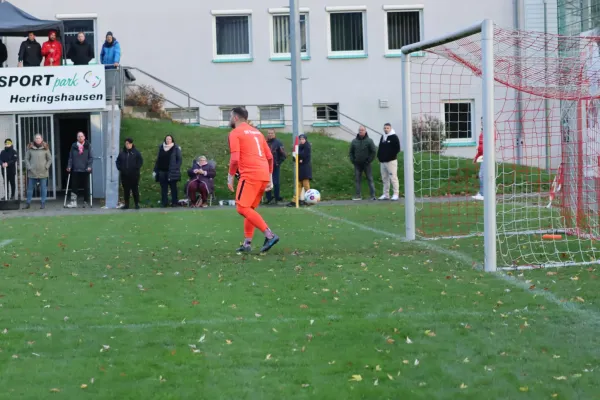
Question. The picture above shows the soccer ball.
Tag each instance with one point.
(312, 196)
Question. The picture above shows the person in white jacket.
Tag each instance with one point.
(387, 154)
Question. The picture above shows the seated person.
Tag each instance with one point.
(201, 181)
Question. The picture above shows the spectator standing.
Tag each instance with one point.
(3, 54)
(362, 154)
(8, 161)
(110, 55)
(38, 160)
(279, 157)
(202, 176)
(30, 52)
(387, 154)
(80, 168)
(167, 170)
(129, 164)
(478, 159)
(304, 168)
(52, 51)
(81, 52)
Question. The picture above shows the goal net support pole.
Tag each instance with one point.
(486, 29)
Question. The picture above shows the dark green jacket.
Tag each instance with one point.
(362, 150)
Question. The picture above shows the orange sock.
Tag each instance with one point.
(252, 219)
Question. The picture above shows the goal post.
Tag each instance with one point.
(501, 132)
(486, 29)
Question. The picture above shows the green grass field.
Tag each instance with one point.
(157, 306)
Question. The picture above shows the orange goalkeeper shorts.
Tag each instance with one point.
(250, 193)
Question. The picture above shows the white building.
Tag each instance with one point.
(235, 52)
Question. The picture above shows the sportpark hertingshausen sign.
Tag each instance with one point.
(52, 88)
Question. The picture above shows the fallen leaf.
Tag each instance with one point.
(228, 341)
(390, 341)
(551, 273)
(83, 386)
(305, 385)
(161, 379)
(268, 357)
(390, 377)
(524, 389)
(202, 339)
(377, 368)
(430, 333)
(463, 386)
(417, 362)
(555, 356)
(257, 315)
(466, 360)
(574, 278)
(405, 362)
(304, 306)
(554, 395)
(275, 330)
(408, 340)
(55, 390)
(38, 294)
(560, 378)
(356, 378)
(376, 383)
(580, 299)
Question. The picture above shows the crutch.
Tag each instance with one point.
(91, 190)
(67, 191)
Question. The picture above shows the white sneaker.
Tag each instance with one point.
(478, 196)
(357, 199)
(384, 197)
(395, 197)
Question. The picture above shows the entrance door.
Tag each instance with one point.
(29, 126)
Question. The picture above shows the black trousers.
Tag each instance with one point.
(81, 185)
(165, 185)
(131, 185)
(11, 182)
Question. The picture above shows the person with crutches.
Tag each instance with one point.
(80, 169)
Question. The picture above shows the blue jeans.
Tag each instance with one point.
(275, 192)
(31, 182)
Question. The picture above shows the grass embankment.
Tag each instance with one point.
(333, 174)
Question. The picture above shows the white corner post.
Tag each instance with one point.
(489, 146)
(409, 173)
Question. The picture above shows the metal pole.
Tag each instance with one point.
(489, 147)
(409, 178)
(297, 117)
(546, 100)
(519, 97)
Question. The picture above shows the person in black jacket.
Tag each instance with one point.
(81, 52)
(167, 170)
(279, 157)
(30, 52)
(129, 164)
(387, 154)
(304, 168)
(8, 162)
(79, 166)
(3, 54)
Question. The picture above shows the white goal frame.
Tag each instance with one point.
(486, 28)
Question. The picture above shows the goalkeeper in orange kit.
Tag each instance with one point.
(252, 158)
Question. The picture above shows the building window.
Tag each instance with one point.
(271, 115)
(347, 32)
(327, 113)
(280, 34)
(403, 27)
(225, 116)
(458, 120)
(74, 24)
(232, 36)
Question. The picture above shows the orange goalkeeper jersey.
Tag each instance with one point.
(254, 153)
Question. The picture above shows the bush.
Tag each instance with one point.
(145, 96)
(429, 134)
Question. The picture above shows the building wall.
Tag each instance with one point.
(174, 41)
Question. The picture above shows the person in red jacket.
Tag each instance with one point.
(52, 51)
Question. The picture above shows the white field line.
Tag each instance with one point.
(428, 315)
(5, 242)
(593, 318)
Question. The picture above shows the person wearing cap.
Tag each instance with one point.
(52, 51)
(8, 161)
(38, 160)
(304, 167)
(110, 56)
(30, 52)
(129, 164)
